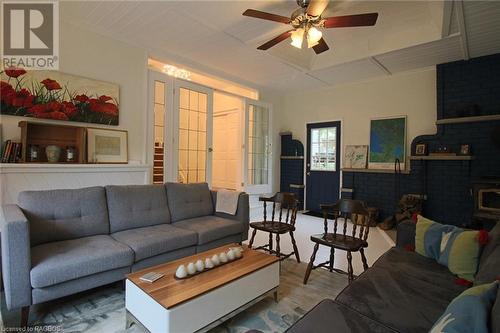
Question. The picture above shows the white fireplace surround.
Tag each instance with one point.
(15, 178)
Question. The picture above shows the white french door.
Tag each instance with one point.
(193, 108)
(257, 149)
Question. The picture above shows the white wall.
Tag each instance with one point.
(411, 94)
(97, 57)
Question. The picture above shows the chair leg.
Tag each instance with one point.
(350, 273)
(363, 258)
(252, 238)
(311, 263)
(25, 314)
(332, 258)
(295, 249)
(278, 253)
(271, 242)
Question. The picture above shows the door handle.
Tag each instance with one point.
(308, 173)
(210, 149)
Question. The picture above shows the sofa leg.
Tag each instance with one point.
(25, 313)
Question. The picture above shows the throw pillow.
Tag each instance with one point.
(468, 312)
(460, 251)
(428, 237)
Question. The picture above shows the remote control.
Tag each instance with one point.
(151, 277)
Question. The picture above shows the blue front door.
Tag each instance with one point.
(322, 164)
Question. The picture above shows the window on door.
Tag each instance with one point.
(192, 136)
(258, 143)
(323, 149)
(159, 132)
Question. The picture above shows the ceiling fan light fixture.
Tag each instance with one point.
(313, 36)
(297, 38)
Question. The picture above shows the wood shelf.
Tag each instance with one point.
(405, 172)
(462, 120)
(443, 158)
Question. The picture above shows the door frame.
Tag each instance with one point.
(179, 83)
(306, 152)
(266, 188)
(167, 134)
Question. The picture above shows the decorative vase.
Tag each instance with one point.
(53, 152)
(208, 263)
(223, 257)
(199, 265)
(191, 268)
(238, 252)
(215, 260)
(181, 272)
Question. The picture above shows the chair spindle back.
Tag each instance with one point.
(281, 201)
(347, 209)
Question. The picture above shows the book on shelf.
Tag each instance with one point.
(11, 152)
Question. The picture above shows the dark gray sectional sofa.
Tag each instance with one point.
(60, 242)
(402, 292)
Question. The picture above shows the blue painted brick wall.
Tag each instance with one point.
(464, 88)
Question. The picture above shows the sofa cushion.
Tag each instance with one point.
(468, 312)
(189, 200)
(329, 316)
(136, 206)
(57, 262)
(403, 290)
(489, 264)
(210, 228)
(151, 241)
(495, 315)
(57, 215)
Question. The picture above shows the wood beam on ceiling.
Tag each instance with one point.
(462, 28)
(447, 17)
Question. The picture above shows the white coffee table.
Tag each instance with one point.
(203, 301)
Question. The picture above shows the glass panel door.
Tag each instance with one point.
(258, 148)
(194, 137)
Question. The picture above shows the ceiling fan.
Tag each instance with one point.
(306, 21)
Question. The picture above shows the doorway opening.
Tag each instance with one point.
(227, 157)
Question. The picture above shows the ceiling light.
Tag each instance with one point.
(297, 38)
(313, 37)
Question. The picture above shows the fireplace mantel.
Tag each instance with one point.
(17, 177)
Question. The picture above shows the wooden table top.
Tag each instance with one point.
(169, 291)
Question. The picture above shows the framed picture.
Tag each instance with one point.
(355, 157)
(107, 146)
(387, 142)
(421, 149)
(465, 149)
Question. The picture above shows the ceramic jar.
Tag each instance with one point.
(53, 153)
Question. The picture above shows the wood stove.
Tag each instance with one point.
(486, 192)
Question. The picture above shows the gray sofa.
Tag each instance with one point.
(402, 292)
(60, 242)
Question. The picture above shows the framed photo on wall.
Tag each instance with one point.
(420, 149)
(387, 142)
(107, 146)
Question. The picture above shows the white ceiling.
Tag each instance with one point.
(213, 36)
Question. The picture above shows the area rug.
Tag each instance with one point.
(103, 309)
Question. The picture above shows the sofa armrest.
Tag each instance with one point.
(405, 234)
(16, 257)
(242, 212)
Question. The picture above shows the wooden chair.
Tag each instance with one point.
(346, 209)
(287, 205)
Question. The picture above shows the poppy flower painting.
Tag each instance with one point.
(58, 96)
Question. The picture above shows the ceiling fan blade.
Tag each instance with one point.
(266, 16)
(316, 7)
(351, 20)
(321, 46)
(275, 40)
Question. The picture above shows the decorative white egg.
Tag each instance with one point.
(208, 263)
(199, 265)
(222, 257)
(238, 252)
(191, 268)
(215, 260)
(181, 272)
(230, 255)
